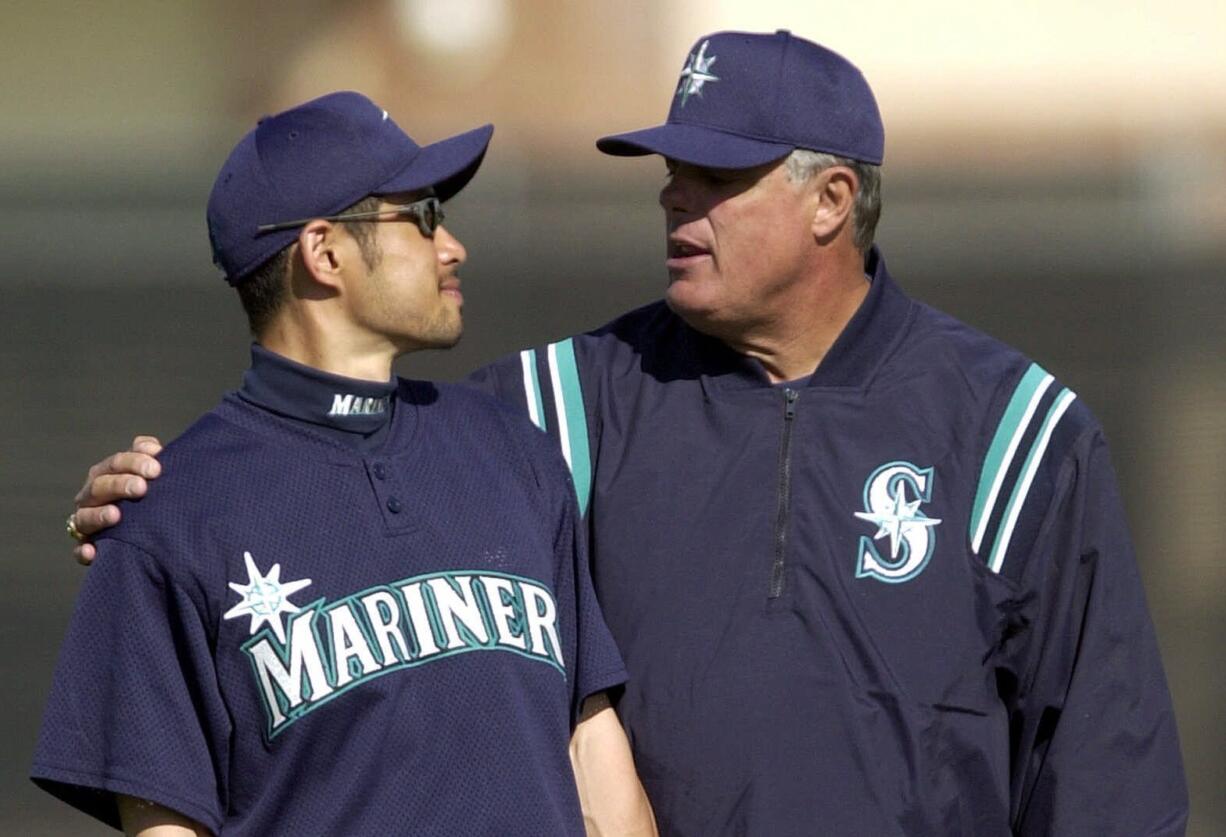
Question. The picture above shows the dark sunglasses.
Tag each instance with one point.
(427, 213)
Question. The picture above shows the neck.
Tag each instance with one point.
(330, 349)
(792, 344)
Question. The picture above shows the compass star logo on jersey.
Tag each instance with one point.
(265, 597)
(893, 495)
(695, 74)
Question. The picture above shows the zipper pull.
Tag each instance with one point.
(789, 403)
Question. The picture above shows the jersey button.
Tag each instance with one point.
(379, 471)
(394, 505)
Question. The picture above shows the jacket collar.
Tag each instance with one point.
(865, 342)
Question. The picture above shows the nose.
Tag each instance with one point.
(673, 196)
(450, 250)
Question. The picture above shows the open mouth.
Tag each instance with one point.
(678, 249)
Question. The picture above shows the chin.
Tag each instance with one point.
(446, 332)
(447, 341)
(699, 318)
(706, 317)
(686, 301)
(437, 339)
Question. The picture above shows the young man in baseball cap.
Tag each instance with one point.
(358, 604)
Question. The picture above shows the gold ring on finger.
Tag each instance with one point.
(73, 532)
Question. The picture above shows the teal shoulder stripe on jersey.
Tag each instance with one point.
(1029, 467)
(572, 418)
(1009, 432)
(532, 388)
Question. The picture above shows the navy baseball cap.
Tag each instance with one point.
(317, 159)
(745, 99)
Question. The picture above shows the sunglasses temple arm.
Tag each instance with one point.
(281, 225)
(410, 211)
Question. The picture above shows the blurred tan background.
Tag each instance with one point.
(1055, 174)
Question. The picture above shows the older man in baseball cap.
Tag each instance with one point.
(867, 567)
(357, 604)
(890, 584)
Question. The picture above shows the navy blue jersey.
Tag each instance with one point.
(295, 636)
(896, 598)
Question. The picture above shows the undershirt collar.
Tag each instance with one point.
(357, 411)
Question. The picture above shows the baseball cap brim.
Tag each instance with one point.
(446, 165)
(695, 144)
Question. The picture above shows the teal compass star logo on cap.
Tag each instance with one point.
(695, 74)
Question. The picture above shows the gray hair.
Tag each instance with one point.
(802, 164)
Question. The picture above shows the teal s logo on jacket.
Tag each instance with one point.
(893, 495)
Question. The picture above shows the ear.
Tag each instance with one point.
(835, 192)
(321, 252)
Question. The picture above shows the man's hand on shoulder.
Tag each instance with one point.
(121, 476)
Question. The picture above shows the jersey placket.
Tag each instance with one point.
(390, 496)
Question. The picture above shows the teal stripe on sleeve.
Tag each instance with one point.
(1012, 426)
(1022, 488)
(571, 405)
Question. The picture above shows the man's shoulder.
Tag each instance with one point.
(938, 338)
(205, 469)
(207, 444)
(477, 424)
(463, 401)
(475, 414)
(978, 369)
(1021, 424)
(632, 334)
(234, 430)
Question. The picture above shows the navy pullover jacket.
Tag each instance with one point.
(896, 598)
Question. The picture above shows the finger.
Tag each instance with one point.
(110, 488)
(147, 444)
(130, 462)
(99, 491)
(91, 520)
(85, 554)
(119, 464)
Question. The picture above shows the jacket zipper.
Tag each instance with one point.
(785, 492)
